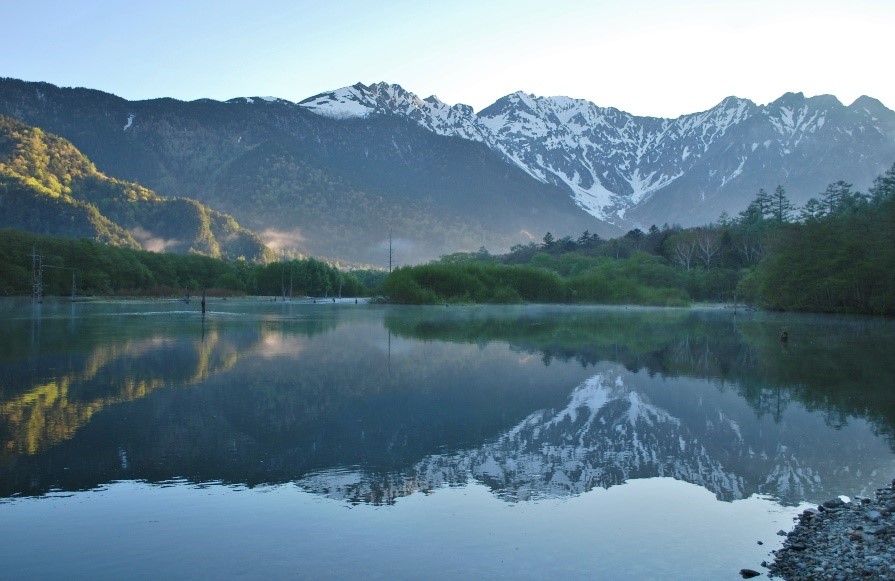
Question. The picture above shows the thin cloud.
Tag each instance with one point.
(283, 239)
(153, 243)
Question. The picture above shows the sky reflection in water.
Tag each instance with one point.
(341, 440)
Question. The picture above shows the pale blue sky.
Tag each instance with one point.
(647, 57)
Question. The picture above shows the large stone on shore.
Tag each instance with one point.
(845, 540)
(834, 503)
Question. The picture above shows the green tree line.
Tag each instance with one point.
(101, 269)
(835, 254)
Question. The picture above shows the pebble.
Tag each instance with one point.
(841, 540)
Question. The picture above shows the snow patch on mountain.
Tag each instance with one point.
(360, 101)
(611, 161)
(344, 103)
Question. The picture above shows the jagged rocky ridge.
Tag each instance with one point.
(332, 175)
(309, 183)
(627, 169)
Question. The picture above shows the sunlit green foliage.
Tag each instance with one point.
(48, 187)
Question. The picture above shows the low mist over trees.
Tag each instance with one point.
(835, 254)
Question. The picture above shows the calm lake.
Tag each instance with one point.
(139, 439)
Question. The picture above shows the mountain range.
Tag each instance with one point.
(637, 171)
(338, 173)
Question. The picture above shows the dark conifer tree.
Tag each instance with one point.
(781, 209)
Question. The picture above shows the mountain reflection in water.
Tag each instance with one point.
(368, 404)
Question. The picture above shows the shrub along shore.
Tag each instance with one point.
(836, 256)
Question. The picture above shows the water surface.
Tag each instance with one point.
(141, 439)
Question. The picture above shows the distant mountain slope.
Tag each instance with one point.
(308, 182)
(334, 174)
(47, 186)
(641, 170)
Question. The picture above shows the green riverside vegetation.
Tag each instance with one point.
(102, 269)
(836, 255)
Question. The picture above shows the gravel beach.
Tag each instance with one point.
(842, 541)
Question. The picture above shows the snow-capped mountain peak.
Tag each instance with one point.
(345, 103)
(614, 163)
(362, 101)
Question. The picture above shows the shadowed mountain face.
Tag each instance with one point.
(632, 170)
(307, 182)
(369, 405)
(334, 174)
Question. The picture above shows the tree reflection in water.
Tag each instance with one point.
(374, 403)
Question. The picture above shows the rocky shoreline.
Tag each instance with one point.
(841, 541)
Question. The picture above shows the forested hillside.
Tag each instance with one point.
(47, 186)
(835, 254)
(314, 185)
